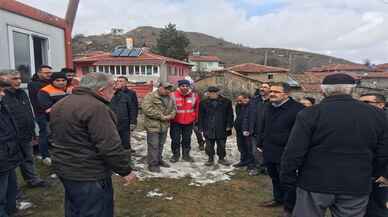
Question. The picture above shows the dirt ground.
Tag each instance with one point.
(165, 197)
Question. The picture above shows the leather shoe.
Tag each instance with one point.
(164, 164)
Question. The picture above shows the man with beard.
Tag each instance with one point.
(278, 120)
(252, 125)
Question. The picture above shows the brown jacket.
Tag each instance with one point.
(86, 146)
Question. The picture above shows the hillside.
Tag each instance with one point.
(230, 53)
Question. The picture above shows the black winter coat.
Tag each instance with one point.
(125, 109)
(33, 89)
(333, 146)
(135, 103)
(249, 120)
(215, 116)
(277, 125)
(10, 152)
(20, 109)
(241, 113)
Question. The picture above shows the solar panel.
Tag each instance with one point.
(116, 52)
(125, 52)
(135, 52)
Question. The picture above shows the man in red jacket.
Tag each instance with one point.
(187, 106)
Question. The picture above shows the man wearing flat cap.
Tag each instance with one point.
(216, 122)
(333, 151)
(159, 109)
(187, 106)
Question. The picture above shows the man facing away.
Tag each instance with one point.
(278, 120)
(378, 200)
(187, 105)
(87, 147)
(126, 111)
(10, 157)
(332, 151)
(216, 122)
(159, 109)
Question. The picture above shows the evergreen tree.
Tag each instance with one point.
(172, 43)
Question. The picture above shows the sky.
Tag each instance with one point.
(352, 29)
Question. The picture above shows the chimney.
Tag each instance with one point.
(129, 41)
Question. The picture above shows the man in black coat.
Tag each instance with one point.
(332, 150)
(126, 111)
(279, 118)
(216, 122)
(10, 157)
(20, 109)
(245, 149)
(251, 125)
(378, 200)
(39, 81)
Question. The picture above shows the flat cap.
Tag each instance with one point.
(339, 78)
(213, 89)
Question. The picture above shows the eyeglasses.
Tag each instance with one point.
(276, 91)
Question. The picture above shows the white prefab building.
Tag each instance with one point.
(30, 37)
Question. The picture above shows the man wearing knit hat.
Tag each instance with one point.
(47, 97)
(333, 150)
(187, 105)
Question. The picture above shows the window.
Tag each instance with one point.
(156, 70)
(124, 70)
(130, 70)
(85, 70)
(28, 51)
(270, 76)
(149, 70)
(118, 70)
(143, 70)
(112, 69)
(106, 69)
(137, 70)
(100, 68)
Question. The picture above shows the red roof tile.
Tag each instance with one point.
(204, 58)
(104, 58)
(383, 66)
(256, 68)
(343, 67)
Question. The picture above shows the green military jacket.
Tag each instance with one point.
(155, 110)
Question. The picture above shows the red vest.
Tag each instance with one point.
(187, 107)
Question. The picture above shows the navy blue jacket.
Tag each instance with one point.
(277, 125)
(125, 109)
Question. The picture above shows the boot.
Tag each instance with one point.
(187, 158)
(224, 162)
(174, 159)
(210, 162)
(154, 169)
(164, 164)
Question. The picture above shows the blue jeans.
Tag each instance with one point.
(7, 193)
(43, 135)
(88, 198)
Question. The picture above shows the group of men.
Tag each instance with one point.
(333, 155)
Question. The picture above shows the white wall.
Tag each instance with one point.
(57, 54)
(205, 66)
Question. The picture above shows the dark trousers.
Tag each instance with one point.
(281, 193)
(181, 137)
(210, 144)
(43, 135)
(199, 136)
(124, 136)
(88, 198)
(378, 200)
(7, 193)
(244, 146)
(27, 167)
(310, 204)
(155, 144)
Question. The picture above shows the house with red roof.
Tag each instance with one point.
(383, 67)
(261, 72)
(206, 63)
(31, 37)
(137, 64)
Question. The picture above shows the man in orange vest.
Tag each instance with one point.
(187, 106)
